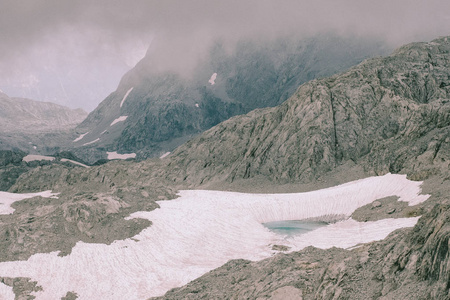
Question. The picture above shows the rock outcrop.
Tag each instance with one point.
(158, 111)
(387, 114)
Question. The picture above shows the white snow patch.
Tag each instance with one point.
(115, 155)
(34, 147)
(91, 142)
(6, 199)
(119, 119)
(74, 162)
(164, 155)
(125, 97)
(6, 292)
(196, 105)
(103, 132)
(80, 137)
(212, 80)
(201, 230)
(32, 157)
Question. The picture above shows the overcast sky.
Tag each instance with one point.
(75, 52)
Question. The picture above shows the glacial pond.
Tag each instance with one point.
(291, 228)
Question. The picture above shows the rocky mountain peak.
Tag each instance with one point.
(385, 114)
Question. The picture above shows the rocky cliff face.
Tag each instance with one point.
(159, 111)
(387, 114)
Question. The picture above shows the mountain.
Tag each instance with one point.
(27, 124)
(388, 114)
(25, 115)
(152, 112)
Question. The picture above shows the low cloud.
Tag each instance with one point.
(71, 36)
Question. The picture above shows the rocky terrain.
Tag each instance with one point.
(152, 112)
(385, 115)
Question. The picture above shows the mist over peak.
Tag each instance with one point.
(79, 50)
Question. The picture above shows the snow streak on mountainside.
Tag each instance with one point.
(125, 97)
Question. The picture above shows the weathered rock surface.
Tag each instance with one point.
(91, 207)
(164, 110)
(387, 115)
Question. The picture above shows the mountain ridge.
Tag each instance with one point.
(165, 109)
(347, 117)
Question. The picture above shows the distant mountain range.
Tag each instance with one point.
(28, 125)
(26, 115)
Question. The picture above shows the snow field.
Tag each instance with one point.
(6, 199)
(115, 155)
(201, 230)
(6, 292)
(32, 157)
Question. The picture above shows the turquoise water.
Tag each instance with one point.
(293, 227)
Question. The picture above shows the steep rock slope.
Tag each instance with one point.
(387, 114)
(151, 112)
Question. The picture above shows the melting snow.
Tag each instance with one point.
(103, 132)
(6, 292)
(91, 142)
(34, 147)
(6, 199)
(212, 80)
(74, 162)
(119, 119)
(32, 157)
(126, 95)
(196, 105)
(164, 155)
(201, 230)
(115, 155)
(80, 137)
